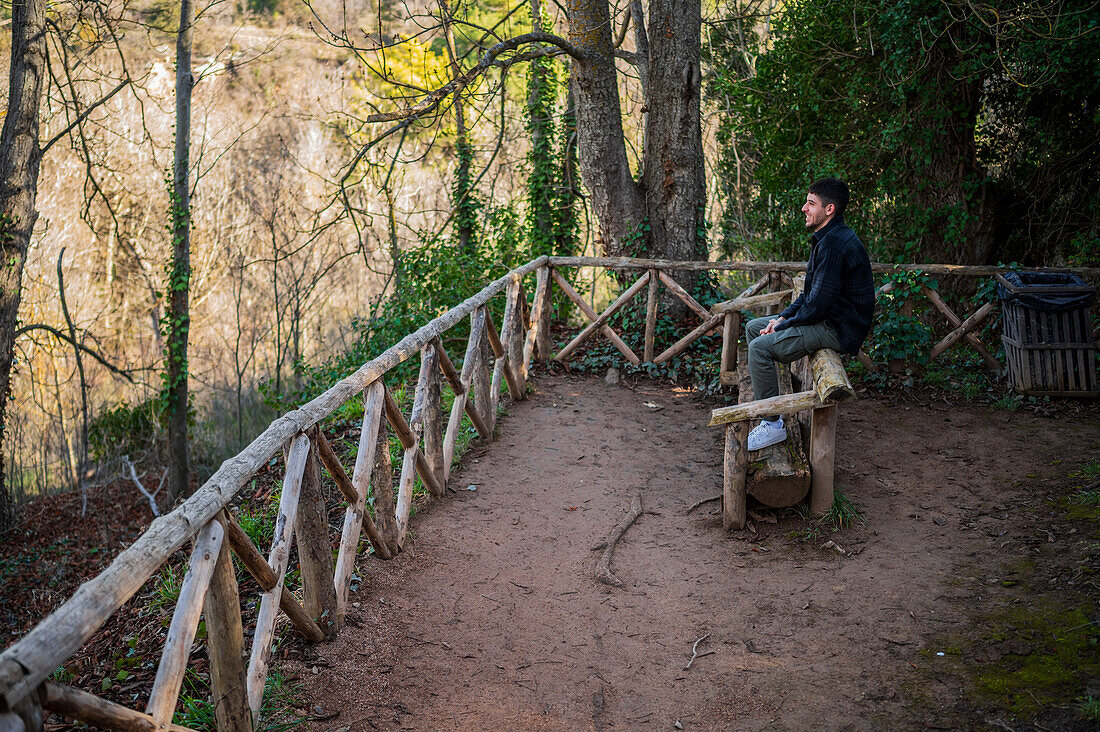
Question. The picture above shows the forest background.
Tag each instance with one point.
(358, 167)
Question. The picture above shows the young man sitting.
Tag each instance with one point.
(834, 310)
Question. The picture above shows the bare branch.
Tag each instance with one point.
(137, 483)
(84, 115)
(63, 337)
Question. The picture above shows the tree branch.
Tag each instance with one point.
(427, 105)
(63, 337)
(84, 115)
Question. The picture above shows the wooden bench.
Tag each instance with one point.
(816, 408)
(780, 475)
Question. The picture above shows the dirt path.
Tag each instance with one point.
(492, 619)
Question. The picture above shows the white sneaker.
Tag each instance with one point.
(765, 434)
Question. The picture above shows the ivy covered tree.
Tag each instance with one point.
(551, 221)
(967, 130)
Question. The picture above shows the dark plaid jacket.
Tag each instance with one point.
(839, 288)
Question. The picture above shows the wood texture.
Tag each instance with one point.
(359, 483)
(611, 335)
(385, 511)
(84, 707)
(408, 439)
(626, 296)
(735, 467)
(755, 288)
(447, 368)
(681, 293)
(356, 516)
(750, 302)
(963, 329)
(473, 373)
(544, 317)
(277, 559)
(651, 315)
(731, 332)
(822, 458)
(504, 347)
(185, 622)
(710, 323)
(482, 384)
(314, 547)
(514, 335)
(539, 328)
(782, 404)
(265, 577)
(225, 644)
(405, 487)
(332, 465)
(433, 421)
(956, 321)
(830, 379)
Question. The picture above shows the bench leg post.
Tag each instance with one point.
(822, 458)
(736, 465)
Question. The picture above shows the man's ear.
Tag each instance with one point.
(830, 209)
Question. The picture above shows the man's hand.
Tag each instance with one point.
(770, 328)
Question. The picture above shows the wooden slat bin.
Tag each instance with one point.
(1048, 346)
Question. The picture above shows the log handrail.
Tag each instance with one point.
(492, 360)
(27, 663)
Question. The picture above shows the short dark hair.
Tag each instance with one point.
(832, 190)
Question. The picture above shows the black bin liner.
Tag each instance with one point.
(1033, 297)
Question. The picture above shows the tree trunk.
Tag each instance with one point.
(662, 216)
(673, 175)
(179, 284)
(616, 199)
(19, 160)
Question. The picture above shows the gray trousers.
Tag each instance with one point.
(783, 346)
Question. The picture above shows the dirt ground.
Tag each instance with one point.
(492, 619)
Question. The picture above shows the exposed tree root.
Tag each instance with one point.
(603, 567)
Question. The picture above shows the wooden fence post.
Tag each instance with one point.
(381, 480)
(651, 315)
(544, 313)
(278, 560)
(314, 547)
(483, 400)
(185, 622)
(431, 417)
(822, 457)
(735, 473)
(225, 645)
(731, 331)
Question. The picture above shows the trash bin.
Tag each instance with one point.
(1047, 333)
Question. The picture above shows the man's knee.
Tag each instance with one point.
(754, 326)
(760, 349)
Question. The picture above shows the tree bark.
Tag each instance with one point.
(20, 156)
(601, 148)
(662, 214)
(179, 284)
(673, 175)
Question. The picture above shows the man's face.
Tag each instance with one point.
(817, 213)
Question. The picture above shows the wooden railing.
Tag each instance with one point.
(492, 361)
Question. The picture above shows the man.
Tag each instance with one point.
(834, 310)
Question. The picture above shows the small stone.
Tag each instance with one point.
(612, 377)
